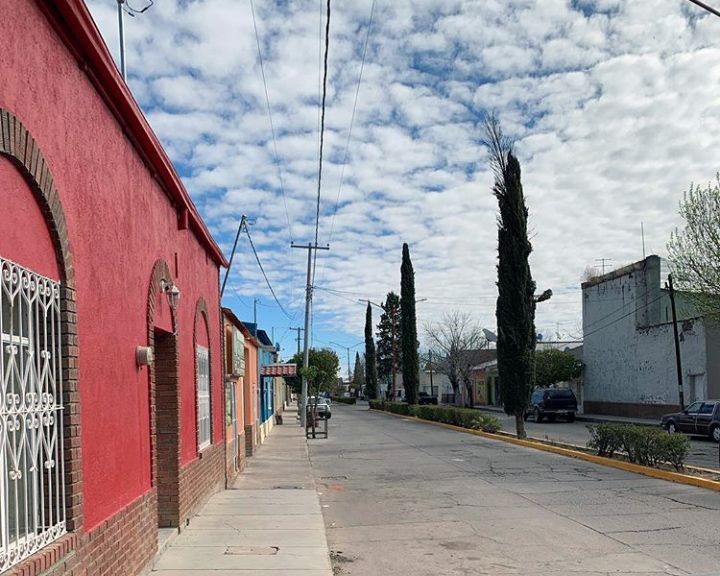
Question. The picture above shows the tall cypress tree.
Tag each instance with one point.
(358, 373)
(388, 340)
(408, 329)
(370, 366)
(516, 303)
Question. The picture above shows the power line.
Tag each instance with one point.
(252, 245)
(272, 125)
(586, 334)
(352, 119)
(706, 7)
(322, 135)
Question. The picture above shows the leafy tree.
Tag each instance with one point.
(694, 252)
(371, 387)
(325, 365)
(455, 336)
(553, 366)
(359, 373)
(408, 329)
(516, 303)
(388, 335)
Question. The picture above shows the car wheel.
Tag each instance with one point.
(715, 433)
(538, 415)
(571, 417)
(670, 427)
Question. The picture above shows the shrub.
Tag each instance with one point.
(462, 417)
(641, 444)
(343, 400)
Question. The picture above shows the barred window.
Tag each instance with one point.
(203, 397)
(32, 479)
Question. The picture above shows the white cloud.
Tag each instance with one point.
(613, 105)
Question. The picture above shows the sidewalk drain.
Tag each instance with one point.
(334, 478)
(286, 487)
(261, 551)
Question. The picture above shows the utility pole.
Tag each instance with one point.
(255, 303)
(298, 329)
(432, 393)
(121, 27)
(603, 260)
(308, 300)
(678, 361)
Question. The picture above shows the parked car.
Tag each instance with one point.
(323, 407)
(551, 403)
(701, 418)
(425, 398)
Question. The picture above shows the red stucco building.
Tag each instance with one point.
(104, 262)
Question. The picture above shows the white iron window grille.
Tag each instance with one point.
(32, 475)
(203, 396)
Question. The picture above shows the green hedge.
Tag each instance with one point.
(343, 400)
(641, 444)
(463, 417)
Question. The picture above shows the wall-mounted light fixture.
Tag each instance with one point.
(171, 291)
(144, 355)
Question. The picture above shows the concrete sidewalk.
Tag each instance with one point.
(269, 524)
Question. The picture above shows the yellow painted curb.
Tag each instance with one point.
(610, 462)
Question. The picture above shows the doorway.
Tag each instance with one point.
(166, 439)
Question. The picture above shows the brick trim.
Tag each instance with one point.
(21, 148)
(18, 145)
(165, 408)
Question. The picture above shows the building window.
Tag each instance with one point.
(32, 479)
(203, 397)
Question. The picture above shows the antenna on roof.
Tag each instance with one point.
(123, 7)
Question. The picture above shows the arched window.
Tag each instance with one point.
(202, 377)
(32, 477)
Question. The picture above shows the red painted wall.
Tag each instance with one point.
(24, 236)
(120, 222)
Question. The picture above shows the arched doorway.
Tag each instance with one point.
(164, 397)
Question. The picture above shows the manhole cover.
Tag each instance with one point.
(252, 551)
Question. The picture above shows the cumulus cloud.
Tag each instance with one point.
(613, 113)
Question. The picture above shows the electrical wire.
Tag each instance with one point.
(322, 136)
(272, 125)
(586, 334)
(252, 245)
(352, 120)
(706, 7)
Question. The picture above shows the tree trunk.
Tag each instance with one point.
(520, 426)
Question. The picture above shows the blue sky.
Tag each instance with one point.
(613, 106)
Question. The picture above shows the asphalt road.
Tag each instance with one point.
(703, 451)
(402, 497)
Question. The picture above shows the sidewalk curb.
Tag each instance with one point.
(609, 462)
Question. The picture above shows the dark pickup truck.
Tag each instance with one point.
(551, 403)
(425, 398)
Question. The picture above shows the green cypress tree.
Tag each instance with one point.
(388, 339)
(408, 329)
(370, 366)
(358, 373)
(516, 303)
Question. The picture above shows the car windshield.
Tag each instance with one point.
(560, 394)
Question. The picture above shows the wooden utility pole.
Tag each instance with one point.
(432, 393)
(306, 353)
(678, 361)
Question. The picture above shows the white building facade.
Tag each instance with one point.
(629, 349)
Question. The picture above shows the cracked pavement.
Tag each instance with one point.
(402, 497)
